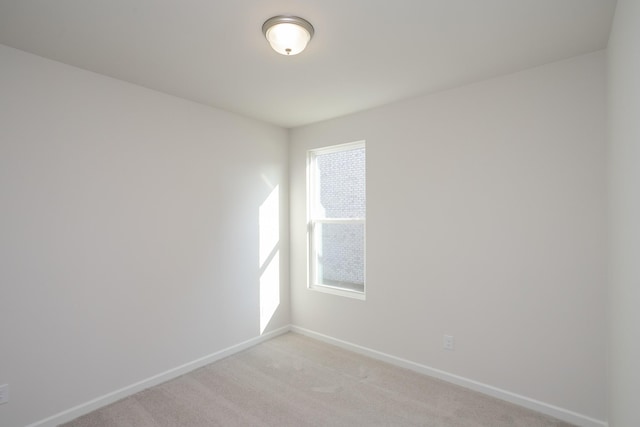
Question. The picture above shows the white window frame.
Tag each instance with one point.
(314, 221)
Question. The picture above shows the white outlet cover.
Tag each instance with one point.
(448, 342)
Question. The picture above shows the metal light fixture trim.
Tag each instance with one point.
(288, 35)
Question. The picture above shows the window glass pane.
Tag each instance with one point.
(341, 184)
(340, 255)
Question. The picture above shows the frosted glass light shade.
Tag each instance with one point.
(288, 35)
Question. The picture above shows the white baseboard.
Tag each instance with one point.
(114, 396)
(545, 408)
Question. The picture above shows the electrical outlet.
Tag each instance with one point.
(448, 343)
(4, 393)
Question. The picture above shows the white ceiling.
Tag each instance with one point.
(365, 53)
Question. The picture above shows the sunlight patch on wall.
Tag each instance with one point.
(269, 257)
(269, 291)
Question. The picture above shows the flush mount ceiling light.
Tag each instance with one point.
(288, 35)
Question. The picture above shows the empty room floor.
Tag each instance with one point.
(293, 380)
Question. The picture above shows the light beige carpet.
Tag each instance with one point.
(293, 380)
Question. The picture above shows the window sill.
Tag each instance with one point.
(337, 291)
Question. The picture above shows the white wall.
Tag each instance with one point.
(129, 240)
(624, 216)
(486, 221)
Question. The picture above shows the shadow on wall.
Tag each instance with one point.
(269, 255)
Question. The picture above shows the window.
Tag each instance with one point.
(337, 212)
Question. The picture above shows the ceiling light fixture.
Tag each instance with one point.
(288, 35)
